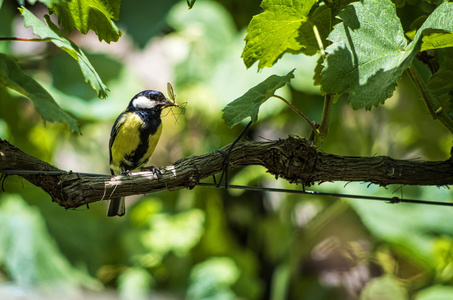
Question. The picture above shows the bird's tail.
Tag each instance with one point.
(117, 207)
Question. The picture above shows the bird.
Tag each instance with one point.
(134, 137)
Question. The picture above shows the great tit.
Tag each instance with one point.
(134, 137)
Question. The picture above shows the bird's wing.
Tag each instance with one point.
(115, 129)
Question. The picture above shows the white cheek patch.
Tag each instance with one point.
(143, 102)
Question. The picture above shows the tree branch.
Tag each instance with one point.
(293, 159)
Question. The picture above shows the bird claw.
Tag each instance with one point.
(126, 173)
(156, 171)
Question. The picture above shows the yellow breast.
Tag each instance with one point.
(128, 140)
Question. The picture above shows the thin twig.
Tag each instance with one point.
(432, 104)
(24, 39)
(416, 80)
(313, 127)
(319, 40)
(324, 127)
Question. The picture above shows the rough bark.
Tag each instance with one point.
(293, 159)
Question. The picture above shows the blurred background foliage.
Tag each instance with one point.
(210, 243)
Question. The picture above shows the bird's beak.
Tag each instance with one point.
(169, 103)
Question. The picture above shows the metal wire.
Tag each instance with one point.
(391, 200)
(35, 172)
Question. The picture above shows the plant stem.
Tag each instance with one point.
(313, 127)
(23, 39)
(328, 99)
(324, 127)
(319, 40)
(435, 108)
(420, 87)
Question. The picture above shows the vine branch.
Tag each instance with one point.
(293, 159)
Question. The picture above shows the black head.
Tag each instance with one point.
(149, 100)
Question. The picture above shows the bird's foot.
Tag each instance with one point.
(156, 171)
(126, 173)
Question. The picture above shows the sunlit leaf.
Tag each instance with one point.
(178, 233)
(13, 77)
(284, 27)
(386, 287)
(435, 292)
(212, 279)
(28, 252)
(135, 283)
(369, 52)
(436, 39)
(366, 54)
(97, 15)
(248, 105)
(47, 3)
(52, 32)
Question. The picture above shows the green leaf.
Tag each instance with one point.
(178, 233)
(369, 52)
(212, 279)
(441, 85)
(12, 76)
(135, 283)
(248, 105)
(441, 80)
(436, 39)
(56, 36)
(96, 15)
(47, 3)
(30, 255)
(157, 11)
(285, 26)
(435, 292)
(401, 226)
(367, 48)
(385, 287)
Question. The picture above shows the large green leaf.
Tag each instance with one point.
(442, 80)
(96, 15)
(366, 52)
(248, 105)
(212, 279)
(386, 287)
(435, 292)
(284, 26)
(12, 76)
(407, 227)
(441, 84)
(56, 36)
(157, 11)
(369, 52)
(30, 255)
